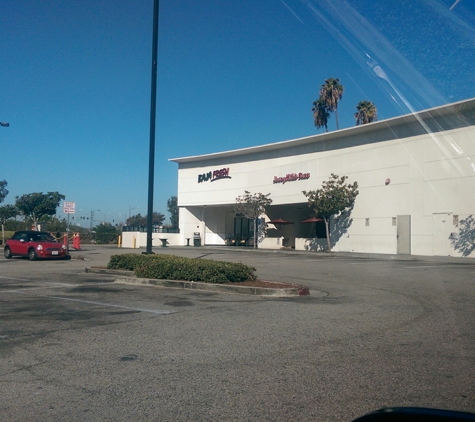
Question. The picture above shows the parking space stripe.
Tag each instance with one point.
(89, 302)
(13, 278)
(435, 266)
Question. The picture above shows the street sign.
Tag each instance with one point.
(69, 207)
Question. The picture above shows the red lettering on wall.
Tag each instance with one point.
(291, 177)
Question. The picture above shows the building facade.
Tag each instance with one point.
(416, 177)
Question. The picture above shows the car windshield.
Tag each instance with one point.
(41, 237)
(329, 144)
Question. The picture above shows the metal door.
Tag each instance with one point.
(441, 227)
(404, 234)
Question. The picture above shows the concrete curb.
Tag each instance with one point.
(213, 287)
(101, 270)
(127, 277)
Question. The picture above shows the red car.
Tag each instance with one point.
(34, 245)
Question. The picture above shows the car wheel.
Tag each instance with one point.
(7, 252)
(32, 254)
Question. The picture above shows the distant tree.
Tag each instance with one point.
(14, 225)
(252, 206)
(3, 190)
(320, 114)
(54, 224)
(172, 207)
(36, 205)
(332, 199)
(366, 112)
(6, 212)
(331, 92)
(138, 220)
(157, 218)
(106, 233)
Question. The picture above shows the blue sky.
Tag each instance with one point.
(75, 78)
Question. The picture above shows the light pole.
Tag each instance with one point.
(104, 218)
(130, 210)
(92, 219)
(153, 103)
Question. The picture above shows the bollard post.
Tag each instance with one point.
(76, 241)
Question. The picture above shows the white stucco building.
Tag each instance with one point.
(416, 176)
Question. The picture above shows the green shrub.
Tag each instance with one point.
(126, 261)
(8, 235)
(170, 267)
(15, 225)
(105, 233)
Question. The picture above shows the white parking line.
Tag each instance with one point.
(435, 266)
(52, 284)
(111, 305)
(16, 279)
(41, 288)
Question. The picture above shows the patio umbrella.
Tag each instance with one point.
(313, 220)
(279, 222)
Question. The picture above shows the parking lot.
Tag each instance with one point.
(376, 331)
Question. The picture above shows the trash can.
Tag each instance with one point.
(196, 239)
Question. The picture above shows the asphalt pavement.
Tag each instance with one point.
(383, 331)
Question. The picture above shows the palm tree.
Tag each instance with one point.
(331, 92)
(366, 113)
(320, 114)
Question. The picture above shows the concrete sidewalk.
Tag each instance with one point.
(102, 253)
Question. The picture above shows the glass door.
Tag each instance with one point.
(243, 231)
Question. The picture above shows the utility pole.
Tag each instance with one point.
(92, 220)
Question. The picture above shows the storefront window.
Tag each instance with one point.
(243, 231)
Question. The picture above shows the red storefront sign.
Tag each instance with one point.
(291, 177)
